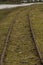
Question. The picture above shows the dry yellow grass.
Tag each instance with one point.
(21, 49)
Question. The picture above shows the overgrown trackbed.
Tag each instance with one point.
(20, 47)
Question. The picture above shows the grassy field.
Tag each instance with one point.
(20, 49)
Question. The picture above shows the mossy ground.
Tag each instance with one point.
(21, 49)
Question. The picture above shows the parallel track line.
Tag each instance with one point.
(6, 43)
(35, 43)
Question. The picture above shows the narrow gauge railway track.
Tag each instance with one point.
(25, 48)
(34, 41)
(30, 38)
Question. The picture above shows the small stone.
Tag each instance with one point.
(20, 52)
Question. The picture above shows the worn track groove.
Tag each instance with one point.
(35, 43)
(6, 43)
